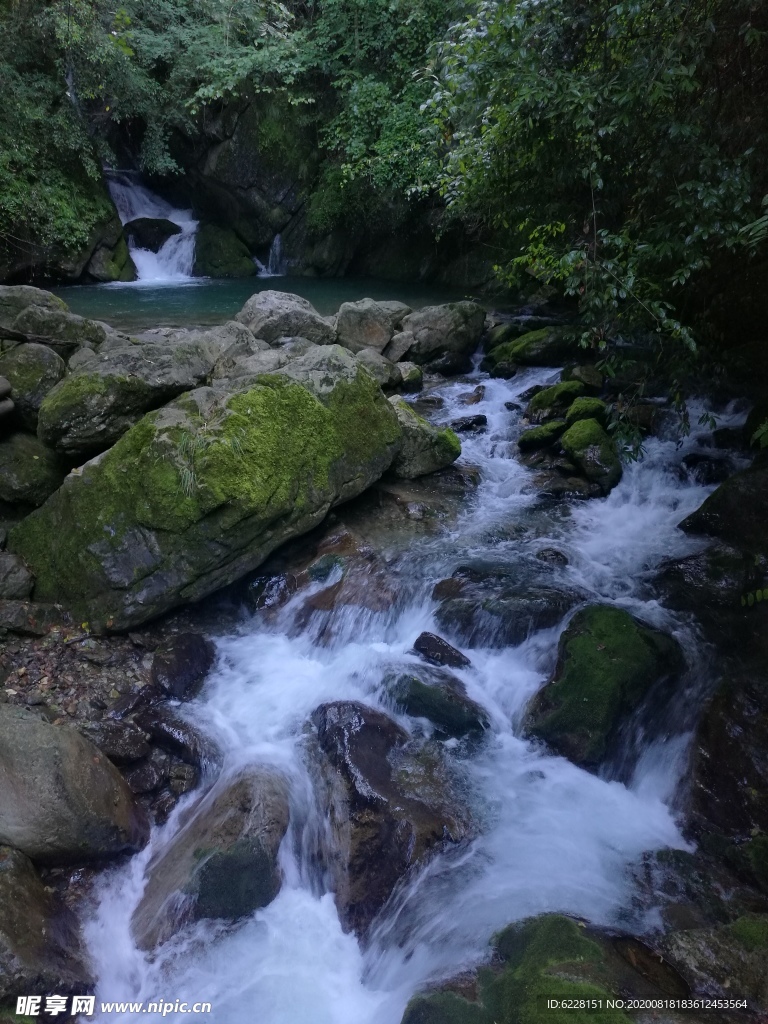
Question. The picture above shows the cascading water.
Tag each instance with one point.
(173, 262)
(553, 837)
(276, 263)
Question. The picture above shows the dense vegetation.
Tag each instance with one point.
(615, 150)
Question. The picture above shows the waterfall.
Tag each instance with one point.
(276, 266)
(174, 261)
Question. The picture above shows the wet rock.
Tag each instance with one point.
(29, 472)
(221, 253)
(705, 469)
(552, 557)
(390, 807)
(60, 799)
(541, 437)
(271, 315)
(437, 651)
(32, 370)
(424, 447)
(556, 485)
(440, 698)
(607, 662)
(734, 513)
(473, 397)
(553, 402)
(197, 494)
(40, 948)
(469, 424)
(121, 742)
(369, 324)
(150, 232)
(171, 732)
(445, 337)
(145, 697)
(16, 580)
(181, 666)
(644, 417)
(222, 863)
(593, 451)
(150, 774)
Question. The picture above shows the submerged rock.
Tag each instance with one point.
(32, 371)
(424, 447)
(197, 494)
(445, 337)
(440, 698)
(222, 862)
(40, 948)
(607, 663)
(437, 651)
(61, 801)
(389, 806)
(272, 315)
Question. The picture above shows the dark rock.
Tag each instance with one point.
(29, 472)
(735, 513)
(150, 774)
(555, 485)
(549, 346)
(150, 232)
(181, 666)
(219, 252)
(121, 742)
(440, 698)
(469, 424)
(705, 469)
(145, 697)
(30, 618)
(473, 397)
(541, 437)
(33, 370)
(16, 580)
(437, 651)
(171, 732)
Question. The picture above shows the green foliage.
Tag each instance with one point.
(760, 436)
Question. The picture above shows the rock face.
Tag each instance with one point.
(29, 472)
(222, 863)
(32, 371)
(369, 324)
(593, 451)
(272, 315)
(607, 662)
(445, 337)
(61, 800)
(735, 513)
(389, 806)
(40, 949)
(199, 493)
(424, 448)
(220, 253)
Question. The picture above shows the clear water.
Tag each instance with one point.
(553, 837)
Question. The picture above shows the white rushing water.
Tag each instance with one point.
(276, 265)
(174, 261)
(553, 837)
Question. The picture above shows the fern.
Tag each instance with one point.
(760, 436)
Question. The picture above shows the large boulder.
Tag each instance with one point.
(272, 315)
(40, 949)
(15, 579)
(61, 801)
(220, 253)
(150, 232)
(735, 512)
(56, 327)
(390, 806)
(594, 452)
(549, 346)
(369, 324)
(197, 494)
(32, 371)
(109, 391)
(15, 298)
(425, 448)
(552, 403)
(29, 472)
(607, 663)
(222, 861)
(445, 337)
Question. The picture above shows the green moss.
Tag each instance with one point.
(751, 931)
(587, 409)
(559, 396)
(535, 955)
(502, 334)
(594, 452)
(220, 253)
(541, 437)
(550, 346)
(449, 443)
(756, 853)
(607, 663)
(452, 712)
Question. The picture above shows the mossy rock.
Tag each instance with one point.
(425, 448)
(735, 512)
(443, 701)
(549, 346)
(541, 437)
(113, 263)
(594, 452)
(607, 663)
(32, 371)
(220, 253)
(585, 408)
(589, 375)
(197, 494)
(550, 403)
(16, 297)
(29, 472)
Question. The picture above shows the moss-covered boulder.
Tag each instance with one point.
(735, 512)
(551, 958)
(588, 374)
(57, 327)
(594, 452)
(440, 698)
(198, 493)
(32, 371)
(222, 862)
(551, 403)
(541, 437)
(445, 337)
(607, 663)
(29, 472)
(424, 448)
(220, 253)
(585, 408)
(17, 297)
(112, 262)
(549, 346)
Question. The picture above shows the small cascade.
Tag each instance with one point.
(277, 265)
(174, 260)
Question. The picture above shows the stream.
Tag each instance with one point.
(553, 837)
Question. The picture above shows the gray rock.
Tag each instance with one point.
(61, 801)
(29, 472)
(32, 371)
(271, 315)
(222, 863)
(411, 376)
(368, 324)
(446, 337)
(399, 346)
(16, 580)
(424, 448)
(385, 373)
(17, 297)
(40, 948)
(56, 327)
